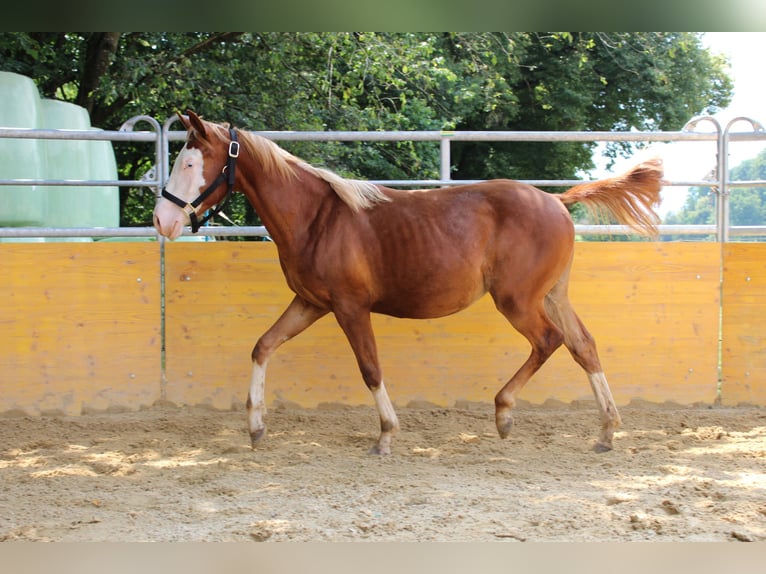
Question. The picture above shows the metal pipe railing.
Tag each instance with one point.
(162, 135)
(260, 231)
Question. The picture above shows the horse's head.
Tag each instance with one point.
(202, 177)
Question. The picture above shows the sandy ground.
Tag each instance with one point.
(171, 474)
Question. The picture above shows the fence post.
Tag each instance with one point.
(129, 125)
(166, 148)
(723, 162)
(445, 170)
(720, 171)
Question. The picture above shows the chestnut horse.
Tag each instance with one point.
(353, 248)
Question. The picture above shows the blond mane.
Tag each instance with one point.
(274, 160)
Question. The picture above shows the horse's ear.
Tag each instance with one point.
(196, 123)
(184, 120)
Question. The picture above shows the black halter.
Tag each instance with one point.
(226, 175)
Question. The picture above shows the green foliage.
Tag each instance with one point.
(747, 205)
(592, 81)
(382, 81)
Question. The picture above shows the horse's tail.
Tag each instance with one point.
(630, 198)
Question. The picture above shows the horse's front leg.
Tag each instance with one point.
(297, 317)
(358, 330)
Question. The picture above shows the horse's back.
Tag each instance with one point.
(432, 253)
(504, 213)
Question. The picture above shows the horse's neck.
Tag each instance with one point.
(287, 207)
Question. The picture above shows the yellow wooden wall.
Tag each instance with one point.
(653, 308)
(80, 326)
(744, 324)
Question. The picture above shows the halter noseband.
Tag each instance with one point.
(226, 175)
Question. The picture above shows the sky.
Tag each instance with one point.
(745, 52)
(690, 161)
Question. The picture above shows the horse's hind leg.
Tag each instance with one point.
(297, 317)
(545, 337)
(582, 346)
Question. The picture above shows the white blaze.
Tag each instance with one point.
(186, 180)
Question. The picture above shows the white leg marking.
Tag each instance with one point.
(389, 423)
(610, 418)
(604, 398)
(257, 405)
(385, 408)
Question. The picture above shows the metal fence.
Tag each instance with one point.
(162, 134)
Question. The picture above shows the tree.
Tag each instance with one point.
(382, 81)
(747, 205)
(591, 81)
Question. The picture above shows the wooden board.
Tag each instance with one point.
(652, 307)
(81, 331)
(654, 310)
(744, 324)
(80, 326)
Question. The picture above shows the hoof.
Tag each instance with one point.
(600, 447)
(378, 450)
(504, 425)
(256, 436)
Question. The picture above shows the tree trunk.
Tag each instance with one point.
(100, 49)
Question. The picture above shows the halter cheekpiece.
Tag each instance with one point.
(226, 175)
